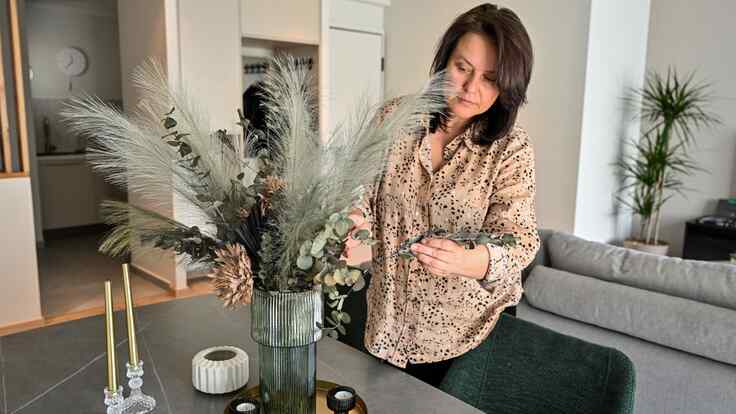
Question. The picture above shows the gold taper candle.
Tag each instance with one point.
(132, 343)
(112, 377)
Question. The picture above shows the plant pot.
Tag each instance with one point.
(285, 326)
(658, 249)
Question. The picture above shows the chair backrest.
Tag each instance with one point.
(525, 368)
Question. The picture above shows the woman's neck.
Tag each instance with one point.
(455, 126)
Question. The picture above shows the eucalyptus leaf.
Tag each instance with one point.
(169, 122)
(184, 149)
(304, 262)
(354, 275)
(305, 247)
(342, 227)
(341, 329)
(359, 284)
(483, 239)
(345, 317)
(363, 234)
(332, 334)
(318, 245)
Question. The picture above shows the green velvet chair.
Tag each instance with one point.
(527, 369)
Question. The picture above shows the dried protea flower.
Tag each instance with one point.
(232, 276)
(271, 184)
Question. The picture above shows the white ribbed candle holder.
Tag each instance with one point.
(220, 369)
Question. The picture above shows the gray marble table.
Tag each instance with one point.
(61, 369)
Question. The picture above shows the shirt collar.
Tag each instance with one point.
(466, 137)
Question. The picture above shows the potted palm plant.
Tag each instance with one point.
(672, 109)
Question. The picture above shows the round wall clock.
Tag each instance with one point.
(71, 61)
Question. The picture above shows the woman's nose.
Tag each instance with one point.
(471, 83)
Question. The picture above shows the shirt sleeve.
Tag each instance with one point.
(511, 210)
(366, 203)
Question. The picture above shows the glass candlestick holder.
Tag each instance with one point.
(114, 400)
(137, 402)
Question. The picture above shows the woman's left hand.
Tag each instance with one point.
(443, 257)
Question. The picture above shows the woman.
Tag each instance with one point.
(473, 170)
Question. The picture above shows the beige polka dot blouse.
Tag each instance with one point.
(413, 315)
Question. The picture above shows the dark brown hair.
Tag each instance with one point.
(513, 71)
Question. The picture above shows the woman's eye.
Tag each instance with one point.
(489, 79)
(462, 68)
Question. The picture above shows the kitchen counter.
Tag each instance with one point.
(62, 158)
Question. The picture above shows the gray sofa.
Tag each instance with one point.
(675, 319)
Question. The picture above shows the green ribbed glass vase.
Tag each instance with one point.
(285, 327)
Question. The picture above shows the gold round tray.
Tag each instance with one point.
(322, 388)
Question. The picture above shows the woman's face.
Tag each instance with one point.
(472, 70)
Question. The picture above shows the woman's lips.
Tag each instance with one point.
(465, 101)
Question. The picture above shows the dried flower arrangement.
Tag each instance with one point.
(269, 216)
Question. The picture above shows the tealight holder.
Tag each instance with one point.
(137, 402)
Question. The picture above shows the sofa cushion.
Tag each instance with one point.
(684, 324)
(713, 283)
(541, 257)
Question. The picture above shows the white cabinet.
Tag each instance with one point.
(356, 74)
(343, 38)
(70, 191)
(352, 43)
(295, 21)
(357, 15)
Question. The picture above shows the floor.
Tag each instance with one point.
(72, 273)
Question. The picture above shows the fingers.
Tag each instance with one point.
(441, 244)
(433, 262)
(432, 252)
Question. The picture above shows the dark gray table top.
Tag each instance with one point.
(61, 369)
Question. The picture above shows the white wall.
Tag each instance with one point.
(209, 49)
(20, 296)
(553, 117)
(699, 36)
(616, 63)
(199, 47)
(54, 26)
(142, 25)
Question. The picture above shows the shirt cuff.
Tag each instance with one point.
(496, 264)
